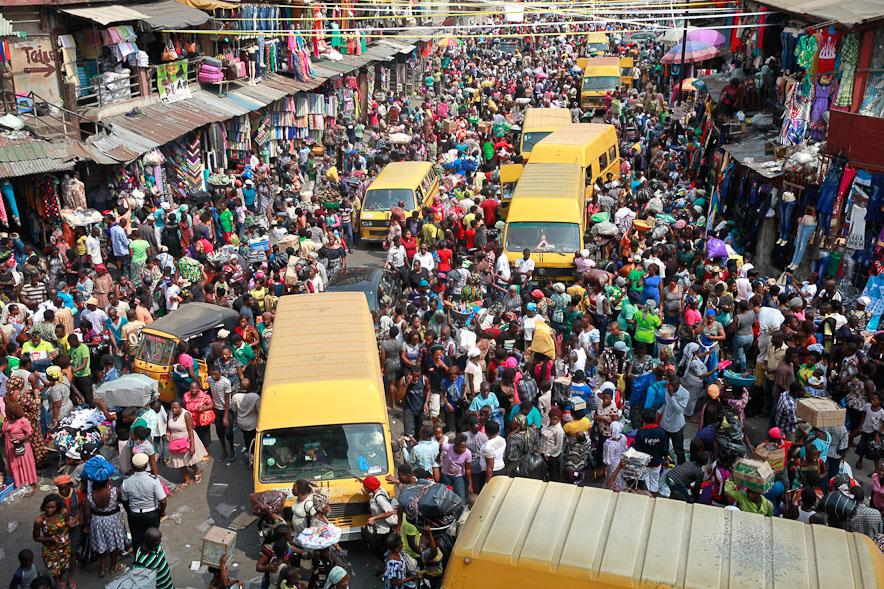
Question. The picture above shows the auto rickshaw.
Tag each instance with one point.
(195, 323)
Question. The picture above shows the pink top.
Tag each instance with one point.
(877, 492)
(692, 316)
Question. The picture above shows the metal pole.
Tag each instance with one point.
(684, 47)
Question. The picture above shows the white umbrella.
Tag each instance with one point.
(674, 35)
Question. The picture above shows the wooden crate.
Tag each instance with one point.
(216, 543)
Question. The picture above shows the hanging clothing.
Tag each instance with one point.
(849, 59)
(857, 238)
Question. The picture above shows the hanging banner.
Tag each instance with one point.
(172, 81)
(875, 291)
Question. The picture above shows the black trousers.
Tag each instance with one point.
(84, 385)
(139, 523)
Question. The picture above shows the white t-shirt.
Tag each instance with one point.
(93, 250)
(524, 266)
(744, 289)
(528, 328)
(246, 406)
(172, 293)
(588, 339)
(493, 448)
(426, 260)
(474, 371)
(502, 268)
(580, 363)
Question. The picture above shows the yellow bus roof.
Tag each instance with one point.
(552, 191)
(323, 362)
(593, 64)
(552, 533)
(571, 143)
(596, 37)
(401, 175)
(543, 119)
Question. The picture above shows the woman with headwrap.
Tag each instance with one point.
(337, 579)
(612, 452)
(31, 406)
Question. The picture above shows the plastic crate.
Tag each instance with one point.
(6, 492)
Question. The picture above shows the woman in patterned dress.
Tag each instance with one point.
(51, 531)
(105, 526)
(31, 405)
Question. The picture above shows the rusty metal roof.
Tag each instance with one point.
(23, 156)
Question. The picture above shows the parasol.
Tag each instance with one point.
(130, 390)
(98, 468)
(449, 42)
(710, 36)
(688, 84)
(320, 537)
(694, 51)
(674, 35)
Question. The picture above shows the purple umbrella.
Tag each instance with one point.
(695, 51)
(710, 36)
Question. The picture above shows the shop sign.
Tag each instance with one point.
(172, 81)
(33, 68)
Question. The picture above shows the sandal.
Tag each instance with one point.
(183, 486)
(101, 574)
(118, 569)
(198, 478)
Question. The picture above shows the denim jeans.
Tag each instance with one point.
(679, 492)
(742, 343)
(787, 211)
(458, 484)
(347, 230)
(805, 232)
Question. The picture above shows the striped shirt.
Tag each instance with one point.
(155, 560)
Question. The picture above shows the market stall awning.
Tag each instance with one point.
(849, 13)
(754, 153)
(167, 14)
(106, 14)
(23, 156)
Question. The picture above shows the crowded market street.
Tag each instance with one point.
(441, 295)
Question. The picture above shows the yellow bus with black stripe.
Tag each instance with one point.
(409, 186)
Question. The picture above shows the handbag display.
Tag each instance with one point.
(169, 53)
(179, 445)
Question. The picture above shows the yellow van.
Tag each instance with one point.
(407, 185)
(626, 64)
(547, 215)
(527, 533)
(600, 76)
(597, 43)
(540, 122)
(592, 146)
(323, 414)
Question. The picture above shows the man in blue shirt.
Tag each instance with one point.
(672, 415)
(120, 245)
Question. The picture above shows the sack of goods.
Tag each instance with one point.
(431, 504)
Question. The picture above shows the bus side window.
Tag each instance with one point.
(603, 162)
(612, 153)
(420, 198)
(589, 175)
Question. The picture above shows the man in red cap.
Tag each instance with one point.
(383, 520)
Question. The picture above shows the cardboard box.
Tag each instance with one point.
(216, 543)
(449, 126)
(772, 454)
(821, 412)
(754, 475)
(484, 127)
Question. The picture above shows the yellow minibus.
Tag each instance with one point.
(597, 43)
(540, 122)
(407, 185)
(547, 216)
(592, 146)
(600, 76)
(323, 415)
(527, 533)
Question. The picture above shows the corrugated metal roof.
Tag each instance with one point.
(155, 15)
(847, 13)
(31, 155)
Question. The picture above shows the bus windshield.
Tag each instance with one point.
(559, 238)
(530, 139)
(600, 83)
(597, 47)
(324, 452)
(384, 199)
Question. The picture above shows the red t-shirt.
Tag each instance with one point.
(444, 264)
(489, 211)
(471, 238)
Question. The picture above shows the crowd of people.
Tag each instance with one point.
(494, 369)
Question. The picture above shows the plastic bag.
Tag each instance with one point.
(532, 466)
(838, 505)
(267, 502)
(715, 249)
(435, 503)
